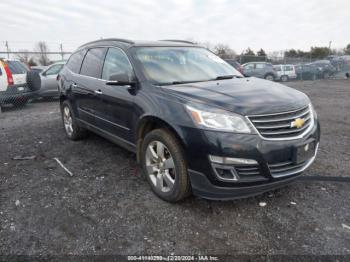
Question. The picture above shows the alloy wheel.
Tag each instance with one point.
(68, 121)
(160, 166)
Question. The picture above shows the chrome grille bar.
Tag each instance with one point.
(279, 125)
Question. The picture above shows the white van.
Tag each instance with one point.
(285, 72)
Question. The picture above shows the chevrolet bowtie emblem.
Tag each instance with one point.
(298, 123)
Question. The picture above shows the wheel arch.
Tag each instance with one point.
(149, 123)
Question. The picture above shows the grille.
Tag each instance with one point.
(277, 126)
(285, 168)
(247, 170)
(249, 173)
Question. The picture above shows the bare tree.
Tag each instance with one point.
(42, 57)
(224, 51)
(23, 56)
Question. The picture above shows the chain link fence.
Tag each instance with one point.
(22, 82)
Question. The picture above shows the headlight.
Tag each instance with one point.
(217, 121)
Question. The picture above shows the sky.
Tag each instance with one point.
(268, 24)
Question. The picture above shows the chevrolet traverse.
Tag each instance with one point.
(195, 123)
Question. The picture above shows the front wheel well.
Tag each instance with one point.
(148, 124)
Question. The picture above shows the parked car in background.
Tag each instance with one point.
(38, 68)
(306, 72)
(194, 123)
(235, 64)
(259, 69)
(324, 69)
(48, 83)
(13, 85)
(285, 72)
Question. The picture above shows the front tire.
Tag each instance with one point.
(71, 126)
(164, 165)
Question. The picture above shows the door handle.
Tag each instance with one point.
(98, 92)
(74, 85)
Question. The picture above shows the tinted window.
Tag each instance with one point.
(16, 67)
(288, 68)
(93, 61)
(54, 70)
(260, 66)
(249, 66)
(116, 62)
(74, 62)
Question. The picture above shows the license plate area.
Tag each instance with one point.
(304, 152)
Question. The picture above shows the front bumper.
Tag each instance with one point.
(275, 167)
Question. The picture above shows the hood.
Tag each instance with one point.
(245, 96)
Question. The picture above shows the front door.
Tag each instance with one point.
(114, 111)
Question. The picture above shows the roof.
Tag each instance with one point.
(126, 44)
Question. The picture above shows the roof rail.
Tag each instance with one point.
(179, 41)
(109, 39)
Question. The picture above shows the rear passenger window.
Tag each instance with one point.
(74, 62)
(93, 62)
(260, 66)
(16, 68)
(116, 62)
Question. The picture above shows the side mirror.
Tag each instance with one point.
(121, 79)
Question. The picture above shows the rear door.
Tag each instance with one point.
(260, 70)
(87, 84)
(19, 72)
(114, 111)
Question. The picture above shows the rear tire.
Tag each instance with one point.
(270, 77)
(20, 103)
(164, 165)
(284, 78)
(71, 126)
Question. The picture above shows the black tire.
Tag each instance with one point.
(21, 102)
(269, 77)
(284, 78)
(181, 187)
(77, 131)
(33, 80)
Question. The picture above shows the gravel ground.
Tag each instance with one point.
(106, 207)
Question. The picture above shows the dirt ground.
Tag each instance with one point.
(106, 207)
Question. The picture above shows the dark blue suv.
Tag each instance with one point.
(195, 123)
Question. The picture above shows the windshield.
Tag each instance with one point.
(176, 65)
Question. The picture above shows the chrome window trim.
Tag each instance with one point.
(103, 119)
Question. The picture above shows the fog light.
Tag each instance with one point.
(232, 160)
(225, 173)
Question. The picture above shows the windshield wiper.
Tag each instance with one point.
(227, 77)
(178, 83)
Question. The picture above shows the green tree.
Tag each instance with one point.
(249, 52)
(347, 50)
(261, 52)
(320, 52)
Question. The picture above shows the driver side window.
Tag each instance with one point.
(116, 62)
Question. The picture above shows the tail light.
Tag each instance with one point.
(8, 73)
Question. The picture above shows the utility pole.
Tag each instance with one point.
(7, 49)
(330, 45)
(61, 49)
